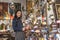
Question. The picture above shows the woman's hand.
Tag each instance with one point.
(23, 29)
(26, 28)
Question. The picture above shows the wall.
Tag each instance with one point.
(23, 2)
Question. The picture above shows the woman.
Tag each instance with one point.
(18, 26)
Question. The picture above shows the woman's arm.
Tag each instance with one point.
(14, 25)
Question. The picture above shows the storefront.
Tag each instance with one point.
(38, 16)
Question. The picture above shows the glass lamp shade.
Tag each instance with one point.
(37, 31)
(58, 30)
(35, 27)
(44, 23)
(53, 0)
(52, 17)
(32, 30)
(50, 36)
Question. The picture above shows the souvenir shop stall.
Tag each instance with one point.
(55, 20)
(6, 15)
(36, 20)
(41, 21)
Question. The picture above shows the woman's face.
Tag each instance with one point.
(18, 14)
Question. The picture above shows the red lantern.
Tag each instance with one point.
(42, 18)
(11, 17)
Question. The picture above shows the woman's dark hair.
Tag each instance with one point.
(15, 17)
